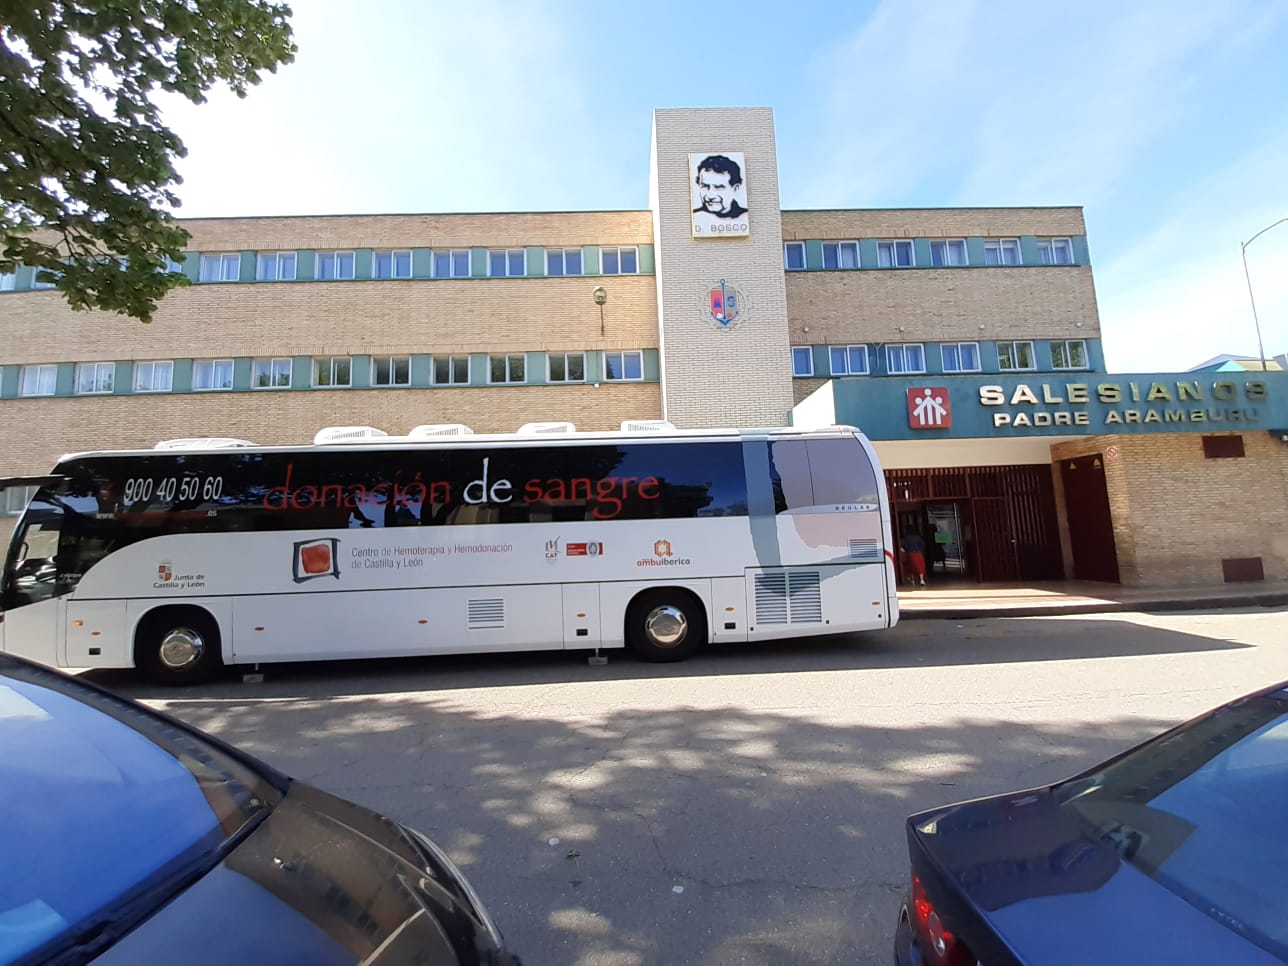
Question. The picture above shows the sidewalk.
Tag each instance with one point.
(960, 601)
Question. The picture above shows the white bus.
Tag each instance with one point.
(208, 552)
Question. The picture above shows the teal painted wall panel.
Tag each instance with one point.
(590, 260)
(301, 372)
(1081, 253)
(246, 271)
(360, 367)
(23, 278)
(988, 357)
(123, 381)
(535, 260)
(934, 358)
(192, 265)
(1096, 355)
(594, 367)
(181, 381)
(65, 382)
(868, 253)
(9, 381)
(975, 251)
(820, 361)
(422, 263)
(478, 368)
(534, 367)
(1029, 250)
(1042, 355)
(652, 366)
(813, 256)
(921, 252)
(478, 263)
(420, 371)
(362, 263)
(241, 375)
(305, 264)
(647, 260)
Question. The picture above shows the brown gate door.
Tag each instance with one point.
(1091, 529)
(995, 547)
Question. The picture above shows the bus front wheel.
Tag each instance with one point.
(665, 625)
(178, 645)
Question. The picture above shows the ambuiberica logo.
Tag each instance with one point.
(663, 556)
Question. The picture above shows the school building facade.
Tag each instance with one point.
(964, 342)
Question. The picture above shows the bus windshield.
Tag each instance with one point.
(30, 572)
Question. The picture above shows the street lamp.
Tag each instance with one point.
(1243, 248)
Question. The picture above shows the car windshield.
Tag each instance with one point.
(102, 805)
(1201, 811)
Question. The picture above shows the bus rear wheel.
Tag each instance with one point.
(178, 645)
(665, 625)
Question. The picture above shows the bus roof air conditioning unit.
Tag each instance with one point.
(546, 429)
(203, 442)
(647, 426)
(434, 430)
(347, 434)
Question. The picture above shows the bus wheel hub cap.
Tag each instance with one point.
(666, 626)
(181, 647)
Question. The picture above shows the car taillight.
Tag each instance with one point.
(939, 945)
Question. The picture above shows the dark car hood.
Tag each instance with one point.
(319, 882)
(1052, 890)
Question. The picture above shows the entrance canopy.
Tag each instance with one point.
(1025, 405)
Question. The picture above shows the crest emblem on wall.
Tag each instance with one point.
(725, 306)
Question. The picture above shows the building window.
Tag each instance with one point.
(507, 368)
(1012, 356)
(563, 261)
(950, 252)
(37, 380)
(153, 376)
(1223, 447)
(172, 266)
(1070, 354)
(220, 268)
(507, 263)
(960, 356)
(391, 371)
(396, 264)
(907, 358)
(451, 370)
(624, 366)
(567, 367)
(452, 264)
(848, 360)
(840, 254)
(16, 499)
(802, 360)
(1002, 251)
(794, 256)
(275, 267)
(270, 374)
(8, 280)
(331, 371)
(212, 374)
(619, 261)
(95, 377)
(332, 266)
(1056, 251)
(895, 254)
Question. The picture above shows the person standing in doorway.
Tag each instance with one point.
(914, 551)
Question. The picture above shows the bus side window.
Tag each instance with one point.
(789, 469)
(841, 472)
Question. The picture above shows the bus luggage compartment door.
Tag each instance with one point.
(581, 626)
(96, 634)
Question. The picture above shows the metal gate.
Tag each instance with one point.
(1013, 531)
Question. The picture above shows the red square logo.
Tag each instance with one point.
(929, 408)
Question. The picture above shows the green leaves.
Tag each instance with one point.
(87, 172)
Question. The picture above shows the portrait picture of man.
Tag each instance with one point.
(719, 194)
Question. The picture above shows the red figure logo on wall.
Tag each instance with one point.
(929, 408)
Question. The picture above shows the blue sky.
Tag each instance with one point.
(1167, 121)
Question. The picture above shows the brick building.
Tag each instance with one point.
(714, 307)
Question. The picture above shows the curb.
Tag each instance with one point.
(1161, 605)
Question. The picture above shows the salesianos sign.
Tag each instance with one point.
(1133, 402)
(941, 406)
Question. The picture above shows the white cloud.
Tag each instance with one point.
(407, 107)
(1178, 295)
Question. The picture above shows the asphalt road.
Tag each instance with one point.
(743, 807)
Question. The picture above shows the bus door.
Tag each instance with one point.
(32, 596)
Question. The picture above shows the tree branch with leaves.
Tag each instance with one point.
(87, 176)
